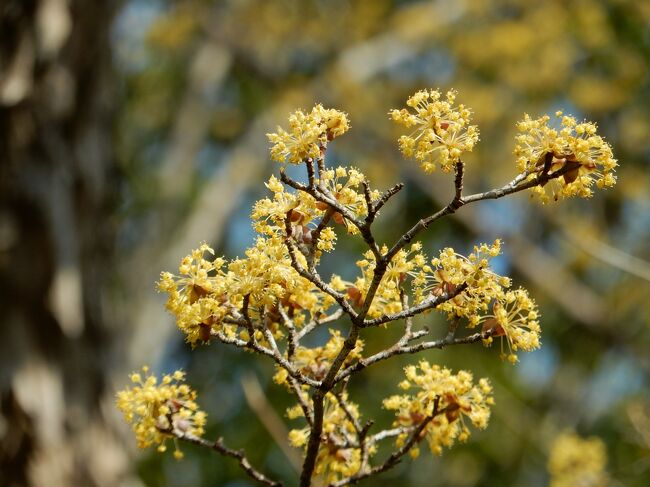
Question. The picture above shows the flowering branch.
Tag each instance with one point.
(269, 301)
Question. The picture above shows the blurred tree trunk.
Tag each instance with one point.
(58, 185)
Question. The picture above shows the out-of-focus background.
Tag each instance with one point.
(132, 130)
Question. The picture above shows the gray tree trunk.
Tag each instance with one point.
(58, 185)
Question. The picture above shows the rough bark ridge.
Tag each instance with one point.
(57, 192)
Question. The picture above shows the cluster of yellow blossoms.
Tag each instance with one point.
(575, 149)
(505, 313)
(157, 411)
(576, 461)
(206, 299)
(451, 270)
(443, 131)
(340, 454)
(308, 133)
(444, 400)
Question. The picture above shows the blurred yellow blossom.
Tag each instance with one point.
(577, 462)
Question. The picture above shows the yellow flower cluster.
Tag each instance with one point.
(158, 411)
(387, 298)
(442, 131)
(576, 461)
(308, 133)
(339, 455)
(456, 396)
(269, 214)
(205, 296)
(450, 270)
(198, 295)
(345, 185)
(505, 313)
(315, 362)
(514, 315)
(574, 148)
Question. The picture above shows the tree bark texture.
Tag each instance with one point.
(58, 184)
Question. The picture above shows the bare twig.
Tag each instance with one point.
(514, 186)
(429, 303)
(279, 359)
(398, 349)
(219, 447)
(384, 199)
(313, 277)
(314, 323)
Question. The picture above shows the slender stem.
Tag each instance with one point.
(313, 277)
(314, 323)
(430, 303)
(314, 439)
(410, 349)
(281, 361)
(239, 455)
(514, 186)
(384, 199)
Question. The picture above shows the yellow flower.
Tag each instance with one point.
(451, 270)
(456, 396)
(307, 134)
(575, 148)
(159, 411)
(198, 295)
(576, 461)
(514, 315)
(442, 134)
(344, 184)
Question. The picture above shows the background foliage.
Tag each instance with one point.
(197, 84)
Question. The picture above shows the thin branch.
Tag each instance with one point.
(321, 194)
(315, 237)
(292, 341)
(313, 443)
(344, 405)
(314, 323)
(384, 199)
(514, 186)
(367, 196)
(391, 433)
(310, 172)
(417, 309)
(247, 319)
(313, 277)
(398, 349)
(219, 447)
(279, 359)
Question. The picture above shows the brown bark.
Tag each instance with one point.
(57, 194)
